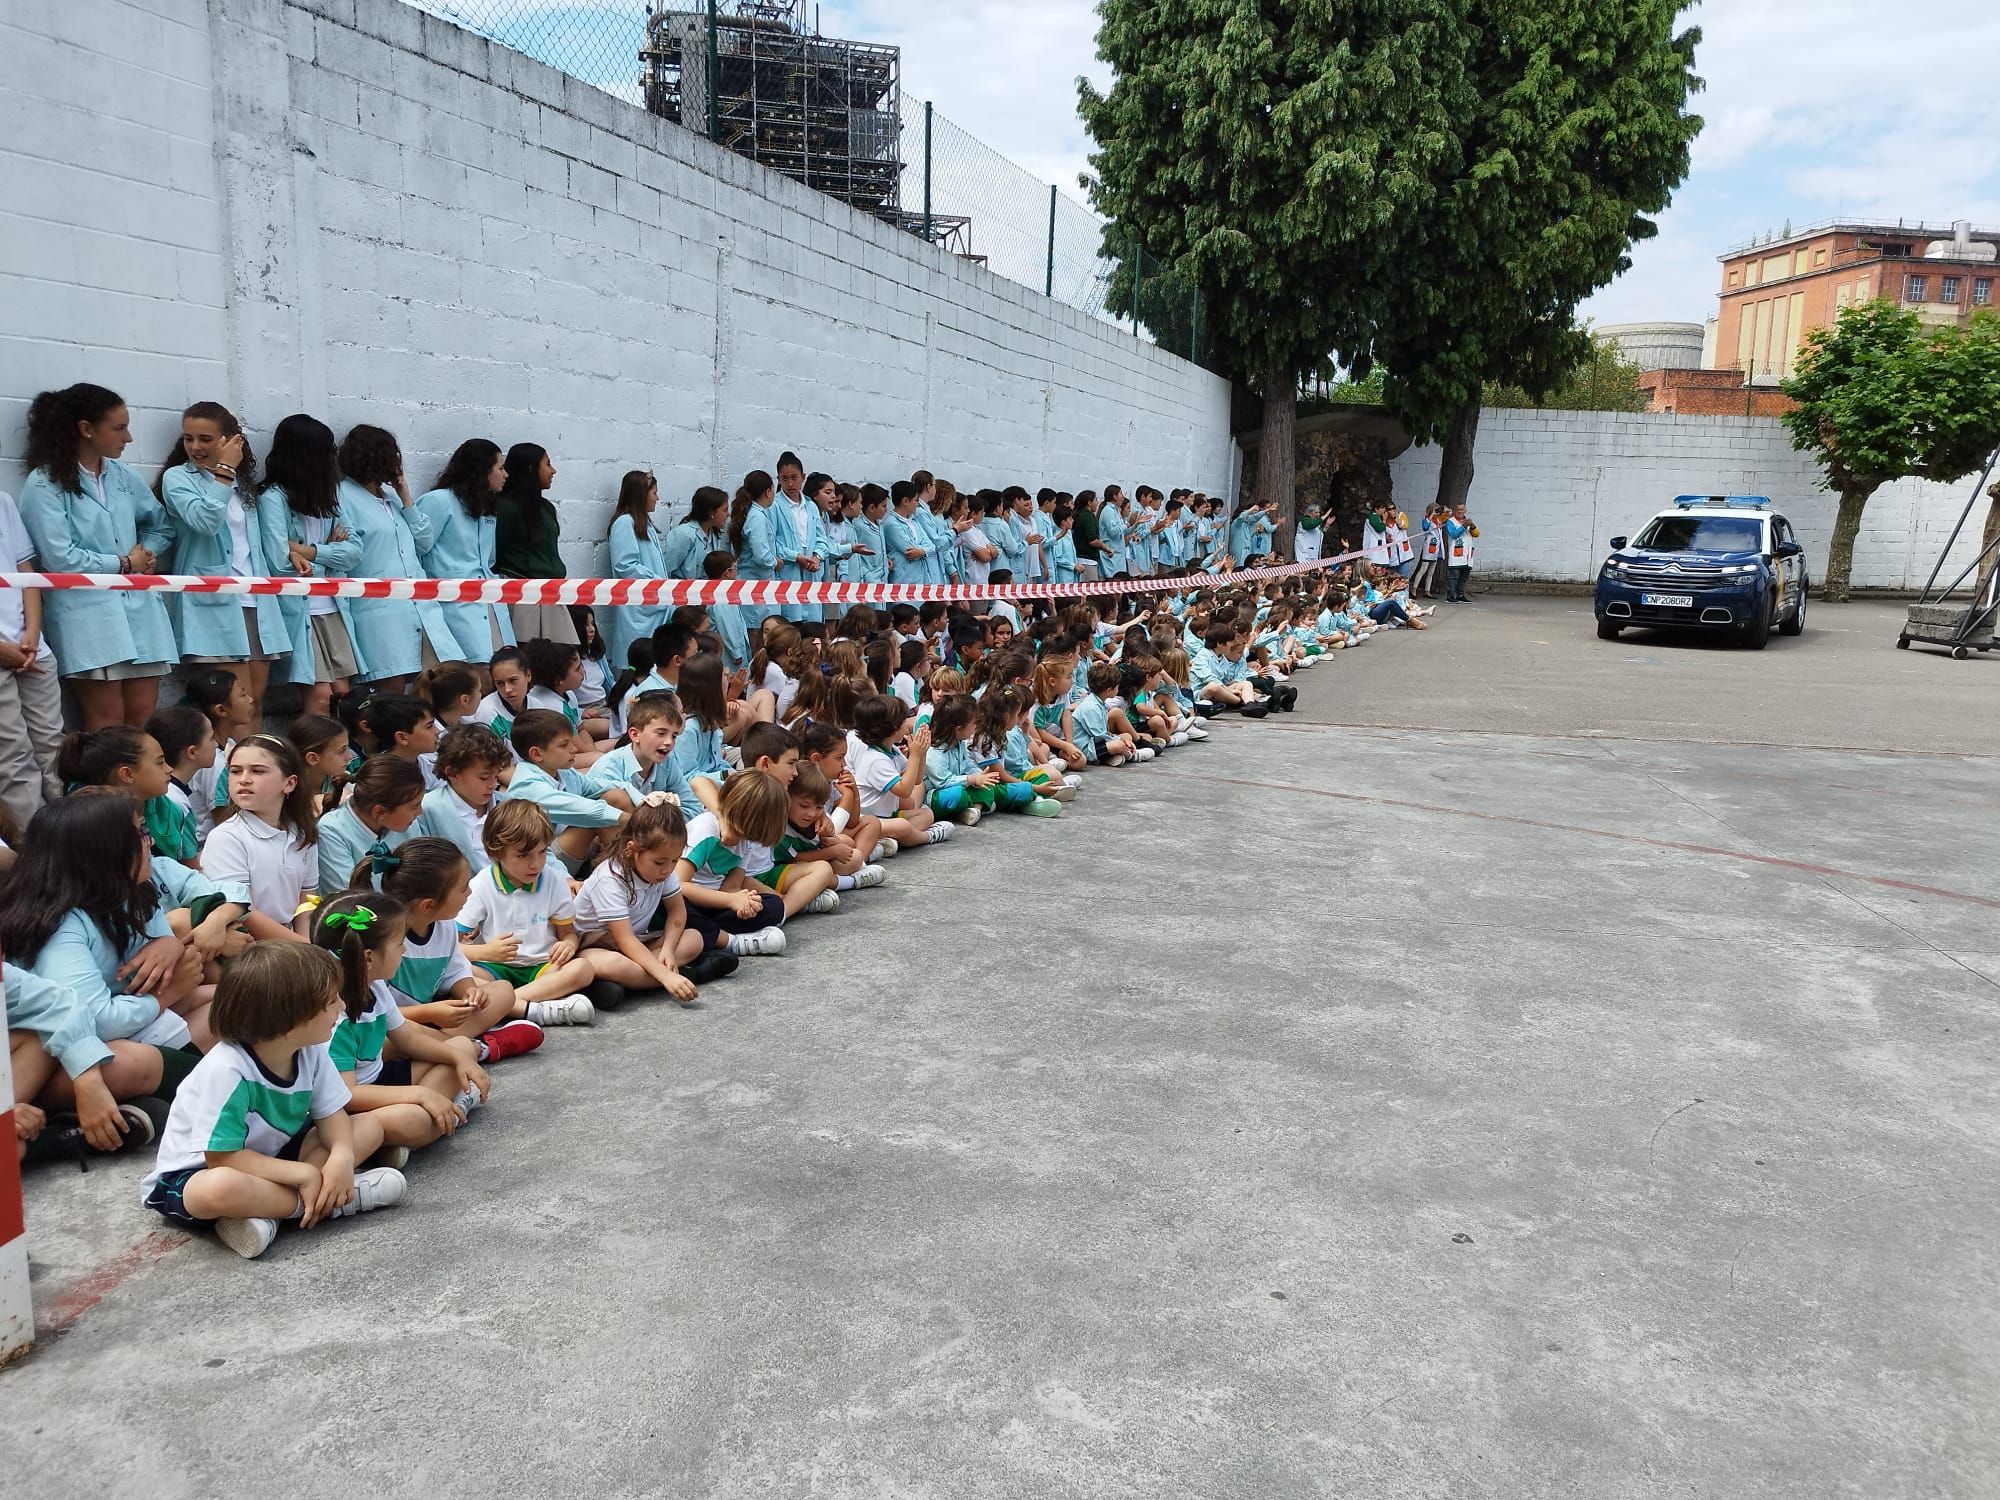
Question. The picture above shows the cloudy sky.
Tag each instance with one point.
(1815, 109)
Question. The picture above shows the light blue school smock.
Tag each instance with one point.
(1013, 551)
(180, 885)
(344, 841)
(87, 531)
(634, 554)
(686, 547)
(758, 557)
(1111, 532)
(943, 544)
(389, 632)
(212, 624)
(1061, 553)
(873, 568)
(698, 752)
(899, 534)
(282, 524)
(441, 819)
(567, 802)
(621, 769)
(461, 546)
(56, 1018)
(798, 530)
(732, 628)
(80, 957)
(947, 765)
(835, 549)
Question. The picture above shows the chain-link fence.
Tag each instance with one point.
(755, 76)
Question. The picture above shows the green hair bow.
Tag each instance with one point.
(357, 921)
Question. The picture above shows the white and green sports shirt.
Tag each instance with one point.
(357, 1045)
(232, 1102)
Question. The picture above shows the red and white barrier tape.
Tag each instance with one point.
(642, 591)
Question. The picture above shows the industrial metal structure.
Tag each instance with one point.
(752, 76)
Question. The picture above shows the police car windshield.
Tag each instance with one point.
(1696, 533)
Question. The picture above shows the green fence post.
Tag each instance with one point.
(1138, 276)
(927, 170)
(714, 79)
(1049, 276)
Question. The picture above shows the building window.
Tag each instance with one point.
(1982, 291)
(1948, 289)
(1801, 260)
(1736, 278)
(1776, 266)
(1819, 257)
(1750, 274)
(1914, 288)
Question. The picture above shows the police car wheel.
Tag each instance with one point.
(1607, 630)
(1757, 634)
(1795, 622)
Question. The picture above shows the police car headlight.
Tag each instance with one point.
(1744, 569)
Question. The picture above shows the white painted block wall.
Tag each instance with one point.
(1552, 488)
(351, 208)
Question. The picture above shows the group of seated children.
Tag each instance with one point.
(287, 961)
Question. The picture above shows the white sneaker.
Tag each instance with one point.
(1177, 738)
(1072, 781)
(884, 849)
(766, 942)
(940, 833)
(571, 1010)
(1196, 732)
(869, 876)
(1142, 755)
(970, 817)
(824, 902)
(392, 1156)
(1061, 794)
(1118, 760)
(249, 1238)
(465, 1103)
(379, 1187)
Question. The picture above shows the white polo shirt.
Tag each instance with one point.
(279, 871)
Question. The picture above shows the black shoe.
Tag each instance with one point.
(62, 1138)
(1256, 710)
(605, 994)
(1206, 710)
(1288, 698)
(712, 965)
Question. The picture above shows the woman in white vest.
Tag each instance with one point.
(1309, 536)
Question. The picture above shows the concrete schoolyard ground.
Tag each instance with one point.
(1544, 1096)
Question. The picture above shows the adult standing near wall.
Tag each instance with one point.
(31, 709)
(703, 530)
(1460, 532)
(87, 513)
(390, 634)
(797, 532)
(637, 551)
(209, 487)
(528, 541)
(462, 509)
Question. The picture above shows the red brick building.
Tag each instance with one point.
(1711, 393)
(1776, 292)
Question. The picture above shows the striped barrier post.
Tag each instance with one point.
(17, 1313)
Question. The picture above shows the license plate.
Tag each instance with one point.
(1668, 601)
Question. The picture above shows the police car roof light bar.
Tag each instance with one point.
(1752, 502)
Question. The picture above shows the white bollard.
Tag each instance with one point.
(17, 1312)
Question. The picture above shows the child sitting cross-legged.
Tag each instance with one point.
(412, 1082)
(436, 983)
(470, 763)
(545, 747)
(259, 1132)
(958, 787)
(645, 762)
(730, 909)
(636, 886)
(810, 840)
(523, 911)
(1103, 732)
(889, 784)
(825, 745)
(1008, 712)
(994, 715)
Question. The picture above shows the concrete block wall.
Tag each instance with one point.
(1552, 488)
(352, 208)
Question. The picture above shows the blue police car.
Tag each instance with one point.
(1711, 562)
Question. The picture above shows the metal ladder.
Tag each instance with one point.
(1942, 617)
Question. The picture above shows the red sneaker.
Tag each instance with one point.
(510, 1039)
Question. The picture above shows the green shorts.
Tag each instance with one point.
(515, 974)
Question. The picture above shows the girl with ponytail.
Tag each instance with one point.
(751, 531)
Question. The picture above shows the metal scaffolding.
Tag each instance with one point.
(822, 111)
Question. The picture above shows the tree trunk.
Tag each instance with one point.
(1455, 472)
(1840, 556)
(1277, 450)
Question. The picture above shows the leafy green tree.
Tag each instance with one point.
(1278, 154)
(1579, 130)
(1881, 396)
(1600, 381)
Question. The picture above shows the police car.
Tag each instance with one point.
(1712, 562)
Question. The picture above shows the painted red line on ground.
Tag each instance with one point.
(1675, 845)
(91, 1288)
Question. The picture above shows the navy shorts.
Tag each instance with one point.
(164, 1197)
(395, 1073)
